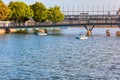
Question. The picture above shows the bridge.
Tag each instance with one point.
(88, 21)
(87, 24)
(65, 23)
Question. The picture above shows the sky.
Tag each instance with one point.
(81, 5)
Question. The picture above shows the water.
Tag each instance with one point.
(60, 57)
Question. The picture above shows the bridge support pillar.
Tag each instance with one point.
(107, 32)
(89, 30)
(88, 33)
(117, 33)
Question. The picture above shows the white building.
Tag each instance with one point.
(4, 23)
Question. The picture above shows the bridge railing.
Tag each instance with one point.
(105, 21)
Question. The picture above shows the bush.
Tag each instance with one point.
(21, 31)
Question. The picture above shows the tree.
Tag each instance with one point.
(40, 12)
(4, 10)
(20, 11)
(55, 15)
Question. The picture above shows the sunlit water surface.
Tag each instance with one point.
(60, 57)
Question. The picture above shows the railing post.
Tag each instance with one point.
(92, 28)
(86, 27)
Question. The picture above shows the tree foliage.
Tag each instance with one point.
(20, 11)
(40, 12)
(55, 15)
(4, 10)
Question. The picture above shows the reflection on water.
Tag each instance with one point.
(60, 57)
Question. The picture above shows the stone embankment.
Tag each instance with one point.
(24, 31)
(4, 31)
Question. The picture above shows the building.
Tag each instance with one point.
(87, 16)
(5, 23)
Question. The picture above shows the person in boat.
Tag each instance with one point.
(80, 34)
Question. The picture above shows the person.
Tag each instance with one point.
(80, 34)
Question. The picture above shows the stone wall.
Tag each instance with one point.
(2, 31)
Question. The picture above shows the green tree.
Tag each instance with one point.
(55, 15)
(4, 10)
(20, 11)
(40, 12)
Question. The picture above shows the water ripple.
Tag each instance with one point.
(59, 57)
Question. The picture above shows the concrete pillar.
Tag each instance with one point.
(107, 32)
(117, 33)
(88, 33)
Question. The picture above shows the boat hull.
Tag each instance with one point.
(41, 34)
(82, 38)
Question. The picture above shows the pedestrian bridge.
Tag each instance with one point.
(88, 24)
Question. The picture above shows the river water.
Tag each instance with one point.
(60, 57)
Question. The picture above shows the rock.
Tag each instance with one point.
(12, 30)
(108, 32)
(41, 30)
(2, 31)
(117, 33)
